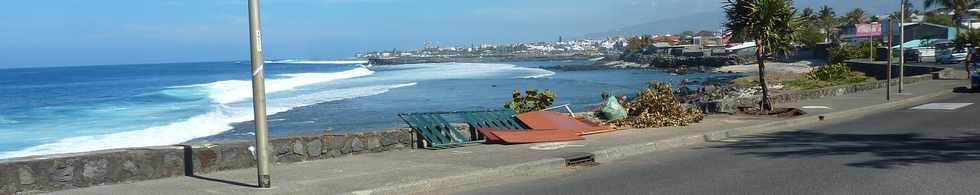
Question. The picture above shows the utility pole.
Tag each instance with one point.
(258, 95)
(901, 59)
(888, 68)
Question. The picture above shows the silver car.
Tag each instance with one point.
(951, 56)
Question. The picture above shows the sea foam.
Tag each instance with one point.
(317, 62)
(230, 91)
(211, 123)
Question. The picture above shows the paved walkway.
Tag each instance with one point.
(360, 174)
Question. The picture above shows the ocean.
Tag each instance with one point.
(77, 109)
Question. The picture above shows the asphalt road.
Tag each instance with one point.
(906, 151)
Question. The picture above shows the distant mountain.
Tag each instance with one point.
(710, 21)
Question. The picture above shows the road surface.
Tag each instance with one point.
(933, 149)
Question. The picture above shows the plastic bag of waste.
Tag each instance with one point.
(612, 110)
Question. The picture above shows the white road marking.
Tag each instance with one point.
(816, 107)
(941, 106)
(554, 146)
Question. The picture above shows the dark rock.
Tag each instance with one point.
(61, 172)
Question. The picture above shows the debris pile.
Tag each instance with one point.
(656, 106)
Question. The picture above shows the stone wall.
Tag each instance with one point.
(66, 171)
(878, 71)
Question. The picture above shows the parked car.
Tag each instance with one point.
(912, 55)
(951, 56)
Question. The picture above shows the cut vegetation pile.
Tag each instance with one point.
(656, 106)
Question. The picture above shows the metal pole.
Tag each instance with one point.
(888, 69)
(258, 95)
(901, 60)
(871, 52)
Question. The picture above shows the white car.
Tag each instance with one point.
(951, 56)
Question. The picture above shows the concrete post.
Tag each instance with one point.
(901, 59)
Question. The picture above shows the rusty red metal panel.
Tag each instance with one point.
(535, 136)
(556, 120)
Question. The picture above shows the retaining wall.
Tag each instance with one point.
(731, 105)
(67, 171)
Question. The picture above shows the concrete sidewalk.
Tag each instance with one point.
(411, 171)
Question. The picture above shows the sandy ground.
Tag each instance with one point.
(801, 66)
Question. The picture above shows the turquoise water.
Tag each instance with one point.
(75, 109)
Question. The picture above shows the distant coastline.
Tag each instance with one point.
(475, 59)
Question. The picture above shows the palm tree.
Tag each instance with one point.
(827, 20)
(807, 14)
(771, 24)
(856, 16)
(909, 9)
(960, 8)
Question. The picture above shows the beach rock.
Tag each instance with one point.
(26, 176)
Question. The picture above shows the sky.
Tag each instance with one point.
(37, 33)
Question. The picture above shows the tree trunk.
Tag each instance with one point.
(764, 104)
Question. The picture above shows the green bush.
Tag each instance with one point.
(532, 100)
(850, 51)
(827, 75)
(831, 72)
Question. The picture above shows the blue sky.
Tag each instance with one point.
(77, 32)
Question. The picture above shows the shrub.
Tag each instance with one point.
(827, 75)
(531, 101)
(656, 106)
(833, 72)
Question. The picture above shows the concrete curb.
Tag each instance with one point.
(620, 152)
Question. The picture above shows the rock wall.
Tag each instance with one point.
(879, 71)
(67, 171)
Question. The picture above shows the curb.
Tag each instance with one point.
(620, 152)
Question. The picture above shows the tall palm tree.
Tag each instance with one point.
(959, 8)
(827, 19)
(855, 16)
(771, 24)
(807, 14)
(909, 8)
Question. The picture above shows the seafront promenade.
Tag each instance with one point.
(413, 171)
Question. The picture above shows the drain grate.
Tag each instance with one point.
(579, 159)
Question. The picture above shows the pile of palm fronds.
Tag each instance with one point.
(656, 106)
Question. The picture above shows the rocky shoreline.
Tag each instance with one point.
(473, 59)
